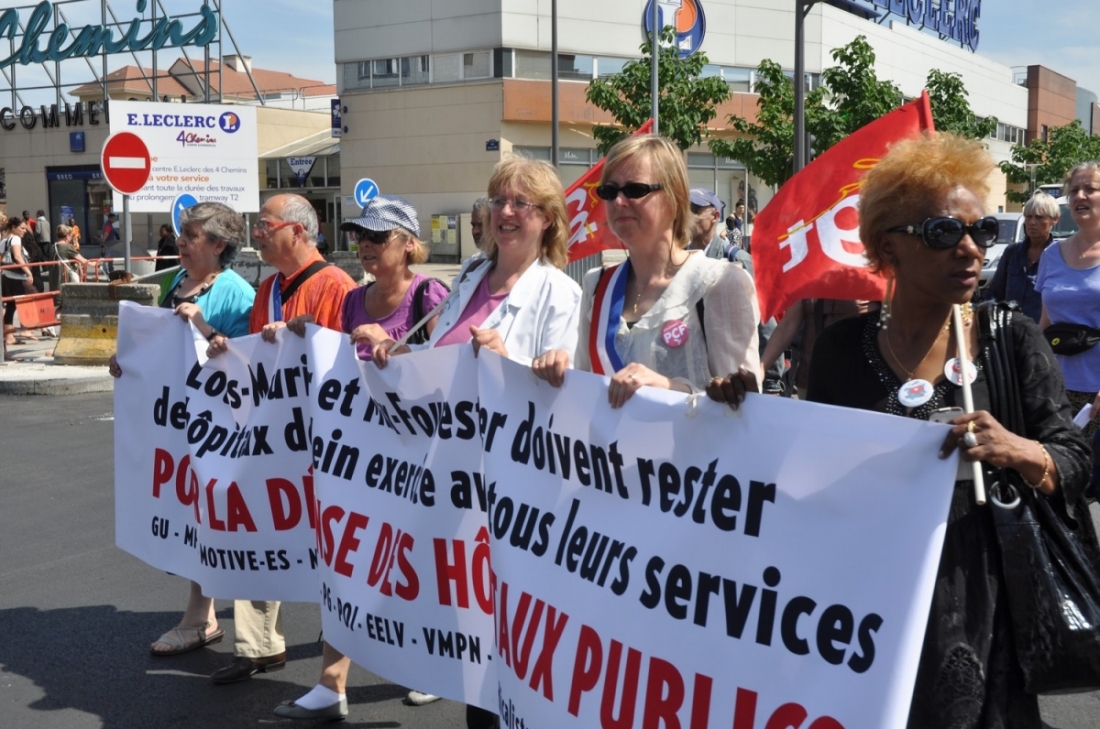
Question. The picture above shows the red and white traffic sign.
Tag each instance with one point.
(125, 162)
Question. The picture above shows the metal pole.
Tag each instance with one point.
(152, 25)
(103, 12)
(554, 82)
(654, 53)
(127, 230)
(801, 10)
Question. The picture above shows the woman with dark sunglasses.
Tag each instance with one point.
(923, 225)
(667, 317)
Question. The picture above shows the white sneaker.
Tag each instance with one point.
(415, 698)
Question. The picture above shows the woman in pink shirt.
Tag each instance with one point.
(387, 233)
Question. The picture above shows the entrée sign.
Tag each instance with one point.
(91, 40)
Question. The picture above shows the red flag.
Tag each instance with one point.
(588, 233)
(805, 244)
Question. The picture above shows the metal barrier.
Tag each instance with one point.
(40, 310)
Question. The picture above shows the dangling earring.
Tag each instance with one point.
(884, 312)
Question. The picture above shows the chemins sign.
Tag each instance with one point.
(64, 42)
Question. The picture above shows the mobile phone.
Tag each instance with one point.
(945, 415)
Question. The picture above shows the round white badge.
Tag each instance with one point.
(953, 371)
(915, 393)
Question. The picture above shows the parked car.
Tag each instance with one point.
(1010, 229)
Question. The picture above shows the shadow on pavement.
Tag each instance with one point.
(96, 660)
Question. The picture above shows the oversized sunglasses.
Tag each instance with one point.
(946, 232)
(633, 190)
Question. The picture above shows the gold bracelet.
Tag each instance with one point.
(1046, 470)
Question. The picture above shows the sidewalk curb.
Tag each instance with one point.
(58, 386)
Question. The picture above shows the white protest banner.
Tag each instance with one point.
(207, 150)
(212, 461)
(405, 568)
(696, 567)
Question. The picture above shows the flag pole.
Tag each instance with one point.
(968, 394)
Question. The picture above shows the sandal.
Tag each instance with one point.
(186, 638)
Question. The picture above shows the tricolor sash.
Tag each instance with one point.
(607, 312)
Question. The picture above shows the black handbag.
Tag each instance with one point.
(1049, 561)
(1071, 338)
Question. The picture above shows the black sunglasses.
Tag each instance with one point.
(633, 190)
(377, 237)
(946, 232)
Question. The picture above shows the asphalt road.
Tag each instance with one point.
(77, 614)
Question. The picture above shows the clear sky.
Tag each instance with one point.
(1062, 36)
(297, 35)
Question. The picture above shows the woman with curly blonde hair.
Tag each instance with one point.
(514, 300)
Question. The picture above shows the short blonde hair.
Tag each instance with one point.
(419, 253)
(539, 181)
(669, 170)
(1042, 204)
(1092, 165)
(63, 231)
(910, 177)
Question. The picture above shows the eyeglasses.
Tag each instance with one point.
(946, 232)
(632, 190)
(375, 237)
(266, 227)
(518, 204)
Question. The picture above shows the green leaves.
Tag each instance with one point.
(851, 97)
(950, 109)
(1064, 147)
(686, 103)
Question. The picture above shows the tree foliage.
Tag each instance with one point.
(950, 108)
(851, 96)
(686, 101)
(855, 95)
(1064, 147)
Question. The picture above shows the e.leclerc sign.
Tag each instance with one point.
(957, 20)
(207, 150)
(91, 40)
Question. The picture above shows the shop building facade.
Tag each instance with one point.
(437, 92)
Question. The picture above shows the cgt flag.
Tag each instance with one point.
(806, 240)
(587, 233)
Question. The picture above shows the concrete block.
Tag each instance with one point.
(89, 319)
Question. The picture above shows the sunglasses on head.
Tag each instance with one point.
(946, 232)
(632, 190)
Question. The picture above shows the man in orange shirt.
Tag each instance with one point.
(286, 238)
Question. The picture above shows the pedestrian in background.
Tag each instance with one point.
(1018, 268)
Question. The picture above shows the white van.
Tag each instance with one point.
(1010, 229)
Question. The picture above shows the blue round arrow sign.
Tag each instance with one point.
(181, 203)
(365, 191)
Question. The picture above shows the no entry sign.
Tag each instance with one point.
(125, 162)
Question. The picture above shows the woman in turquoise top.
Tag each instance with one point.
(216, 300)
(205, 290)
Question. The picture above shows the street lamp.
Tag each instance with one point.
(801, 10)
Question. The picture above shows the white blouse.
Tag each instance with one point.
(539, 314)
(725, 341)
